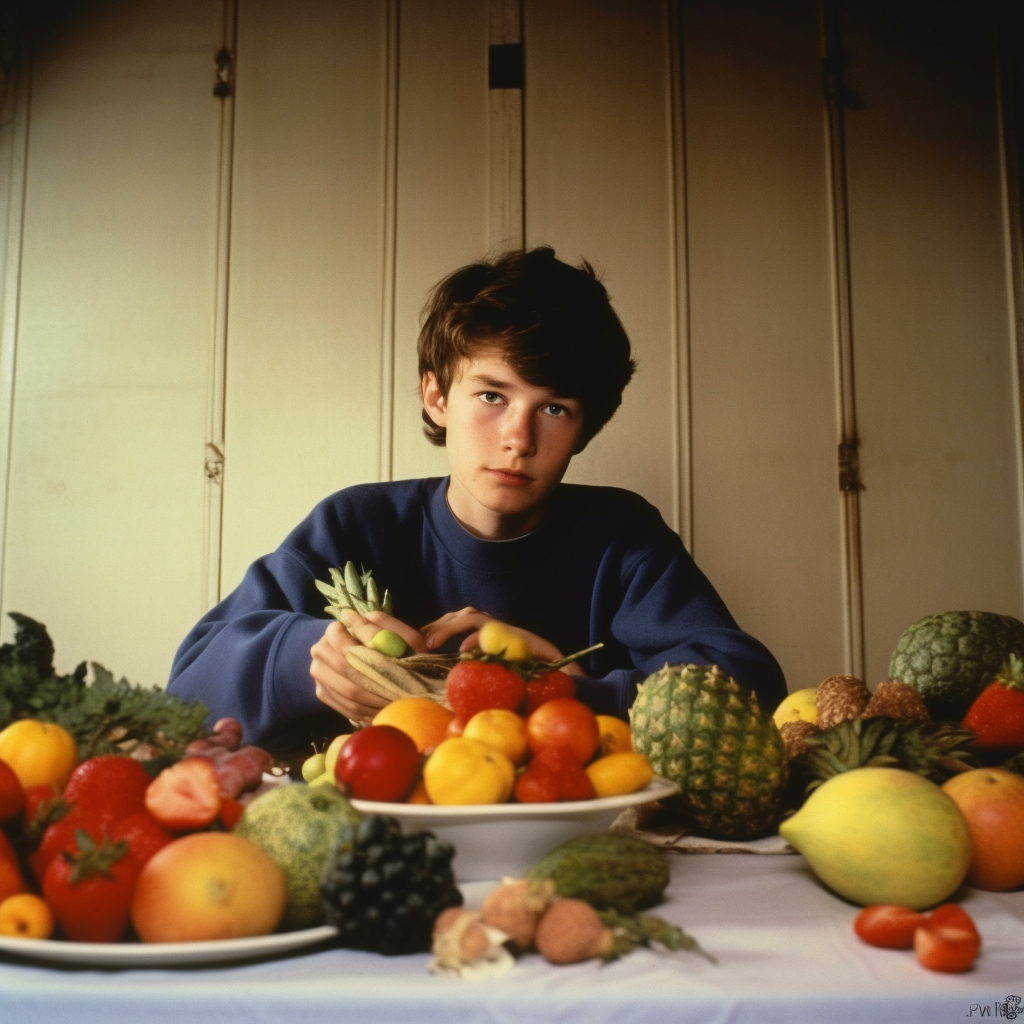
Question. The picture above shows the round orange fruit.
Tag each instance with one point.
(501, 730)
(615, 735)
(26, 916)
(208, 885)
(40, 753)
(423, 720)
(466, 771)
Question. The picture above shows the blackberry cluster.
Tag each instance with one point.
(383, 889)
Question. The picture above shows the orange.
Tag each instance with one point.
(26, 916)
(615, 735)
(418, 794)
(501, 730)
(466, 771)
(992, 801)
(208, 885)
(40, 753)
(622, 772)
(423, 720)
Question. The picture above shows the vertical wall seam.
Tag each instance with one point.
(17, 101)
(682, 440)
(842, 325)
(215, 462)
(389, 254)
(1013, 255)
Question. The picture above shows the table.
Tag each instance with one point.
(785, 948)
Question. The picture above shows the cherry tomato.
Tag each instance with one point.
(952, 915)
(888, 926)
(946, 948)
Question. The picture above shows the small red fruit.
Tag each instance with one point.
(997, 715)
(948, 948)
(89, 889)
(143, 834)
(186, 795)
(231, 810)
(60, 836)
(548, 687)
(565, 769)
(474, 686)
(952, 915)
(378, 762)
(535, 786)
(12, 793)
(888, 926)
(43, 806)
(114, 782)
(564, 722)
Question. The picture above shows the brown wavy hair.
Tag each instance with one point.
(554, 323)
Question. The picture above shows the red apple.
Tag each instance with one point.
(378, 762)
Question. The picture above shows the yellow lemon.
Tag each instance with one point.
(467, 771)
(615, 735)
(498, 638)
(615, 774)
(501, 730)
(799, 706)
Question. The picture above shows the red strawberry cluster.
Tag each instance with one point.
(85, 846)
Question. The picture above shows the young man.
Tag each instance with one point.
(522, 362)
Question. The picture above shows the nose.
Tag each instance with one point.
(518, 433)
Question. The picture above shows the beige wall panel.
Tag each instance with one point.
(302, 409)
(116, 308)
(940, 519)
(599, 187)
(442, 187)
(766, 499)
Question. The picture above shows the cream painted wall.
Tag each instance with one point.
(682, 148)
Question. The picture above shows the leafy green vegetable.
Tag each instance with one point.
(105, 715)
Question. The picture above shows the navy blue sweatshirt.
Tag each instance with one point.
(603, 567)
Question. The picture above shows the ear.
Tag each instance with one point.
(434, 401)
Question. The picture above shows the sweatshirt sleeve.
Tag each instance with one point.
(668, 612)
(248, 657)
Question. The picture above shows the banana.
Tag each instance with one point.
(420, 675)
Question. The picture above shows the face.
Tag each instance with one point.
(508, 443)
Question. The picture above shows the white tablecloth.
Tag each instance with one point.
(785, 948)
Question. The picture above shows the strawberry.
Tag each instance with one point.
(231, 810)
(536, 786)
(143, 834)
(186, 795)
(480, 685)
(997, 715)
(548, 687)
(12, 794)
(43, 806)
(60, 836)
(567, 771)
(114, 782)
(89, 889)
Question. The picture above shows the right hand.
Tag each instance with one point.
(337, 684)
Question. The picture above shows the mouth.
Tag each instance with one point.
(510, 477)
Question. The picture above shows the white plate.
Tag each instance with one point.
(163, 954)
(497, 840)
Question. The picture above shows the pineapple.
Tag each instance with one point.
(936, 750)
(699, 728)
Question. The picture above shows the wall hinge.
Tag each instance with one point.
(849, 466)
(213, 464)
(224, 83)
(505, 66)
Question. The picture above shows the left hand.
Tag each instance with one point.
(443, 629)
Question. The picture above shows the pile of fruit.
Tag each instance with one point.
(508, 729)
(99, 848)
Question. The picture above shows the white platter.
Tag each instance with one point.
(493, 841)
(162, 954)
